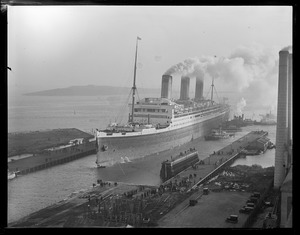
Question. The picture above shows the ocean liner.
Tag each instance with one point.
(157, 124)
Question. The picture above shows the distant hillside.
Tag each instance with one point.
(90, 90)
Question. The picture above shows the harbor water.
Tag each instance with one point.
(32, 192)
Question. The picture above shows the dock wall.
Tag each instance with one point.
(43, 161)
(57, 162)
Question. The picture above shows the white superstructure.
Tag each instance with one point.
(155, 115)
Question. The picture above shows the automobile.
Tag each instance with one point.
(246, 210)
(268, 204)
(205, 191)
(256, 194)
(250, 204)
(252, 200)
(146, 220)
(232, 219)
(193, 202)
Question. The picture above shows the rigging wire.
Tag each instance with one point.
(210, 88)
(137, 93)
(208, 93)
(121, 113)
(217, 94)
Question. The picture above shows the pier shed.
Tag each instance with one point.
(77, 141)
(259, 144)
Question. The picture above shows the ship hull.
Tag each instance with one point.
(140, 146)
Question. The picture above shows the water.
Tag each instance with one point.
(265, 160)
(32, 113)
(35, 191)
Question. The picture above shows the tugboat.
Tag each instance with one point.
(237, 122)
(232, 128)
(268, 119)
(217, 135)
(248, 122)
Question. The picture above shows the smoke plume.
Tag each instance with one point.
(248, 72)
(288, 48)
(240, 106)
(189, 67)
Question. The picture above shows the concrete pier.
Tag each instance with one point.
(42, 161)
(215, 162)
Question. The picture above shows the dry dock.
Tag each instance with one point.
(111, 204)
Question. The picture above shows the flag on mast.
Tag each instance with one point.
(139, 38)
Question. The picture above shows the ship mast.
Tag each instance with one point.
(134, 78)
(212, 90)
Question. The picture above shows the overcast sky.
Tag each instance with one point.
(61, 46)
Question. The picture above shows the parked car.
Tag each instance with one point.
(246, 210)
(252, 200)
(146, 220)
(232, 219)
(250, 204)
(205, 191)
(268, 204)
(193, 202)
(256, 194)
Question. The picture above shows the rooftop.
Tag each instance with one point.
(263, 140)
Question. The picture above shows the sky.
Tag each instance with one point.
(60, 46)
